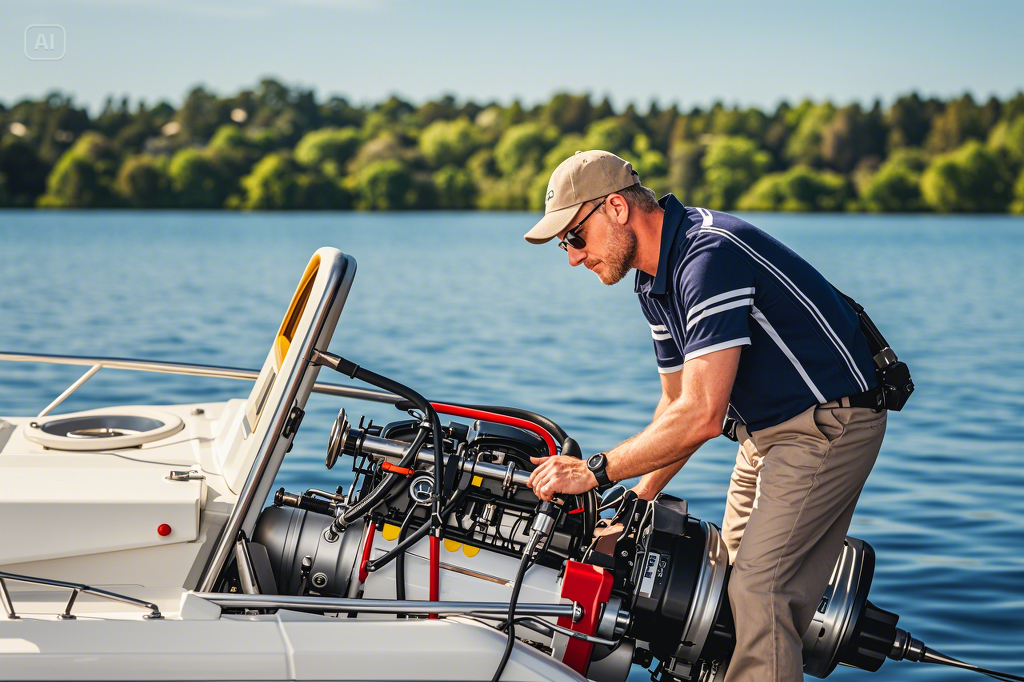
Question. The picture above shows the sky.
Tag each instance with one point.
(690, 53)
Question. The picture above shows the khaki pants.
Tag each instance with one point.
(791, 498)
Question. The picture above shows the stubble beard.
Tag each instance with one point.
(621, 255)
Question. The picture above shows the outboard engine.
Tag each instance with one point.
(651, 580)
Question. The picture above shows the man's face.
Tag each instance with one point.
(610, 249)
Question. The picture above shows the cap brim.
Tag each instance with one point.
(551, 224)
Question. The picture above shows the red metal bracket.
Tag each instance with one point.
(589, 586)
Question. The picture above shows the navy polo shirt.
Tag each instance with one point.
(723, 283)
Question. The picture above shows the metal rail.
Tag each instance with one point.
(181, 368)
(76, 589)
(497, 610)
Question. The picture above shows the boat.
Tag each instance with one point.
(150, 541)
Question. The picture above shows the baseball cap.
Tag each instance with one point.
(581, 177)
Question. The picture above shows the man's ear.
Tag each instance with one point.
(620, 207)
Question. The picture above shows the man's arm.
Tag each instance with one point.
(682, 427)
(653, 483)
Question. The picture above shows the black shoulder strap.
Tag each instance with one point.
(876, 342)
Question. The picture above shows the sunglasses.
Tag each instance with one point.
(572, 238)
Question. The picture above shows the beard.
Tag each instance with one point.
(621, 255)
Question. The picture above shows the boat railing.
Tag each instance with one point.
(76, 589)
(95, 364)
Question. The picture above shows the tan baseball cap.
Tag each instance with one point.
(581, 177)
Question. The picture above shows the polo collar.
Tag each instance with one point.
(675, 212)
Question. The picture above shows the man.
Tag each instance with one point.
(742, 326)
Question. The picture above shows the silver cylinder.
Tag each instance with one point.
(449, 608)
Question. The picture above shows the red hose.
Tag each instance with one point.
(435, 570)
(367, 546)
(459, 411)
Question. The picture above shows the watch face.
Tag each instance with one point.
(596, 461)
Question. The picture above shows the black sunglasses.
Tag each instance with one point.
(574, 240)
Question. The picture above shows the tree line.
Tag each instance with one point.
(278, 147)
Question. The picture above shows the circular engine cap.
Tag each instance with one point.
(421, 489)
(336, 443)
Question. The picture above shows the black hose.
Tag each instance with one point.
(387, 485)
(351, 369)
(414, 537)
(513, 600)
(400, 561)
(568, 447)
(933, 656)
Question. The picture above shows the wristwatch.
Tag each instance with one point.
(596, 464)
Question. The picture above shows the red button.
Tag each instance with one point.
(163, 529)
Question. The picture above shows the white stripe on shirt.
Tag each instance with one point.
(745, 341)
(715, 299)
(800, 296)
(718, 309)
(763, 321)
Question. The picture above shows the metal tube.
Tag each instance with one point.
(5, 599)
(70, 389)
(269, 456)
(450, 608)
(194, 370)
(78, 587)
(383, 447)
(245, 569)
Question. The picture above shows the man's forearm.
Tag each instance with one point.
(654, 482)
(681, 428)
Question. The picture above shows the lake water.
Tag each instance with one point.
(459, 307)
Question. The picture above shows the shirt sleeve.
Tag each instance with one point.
(717, 291)
(666, 350)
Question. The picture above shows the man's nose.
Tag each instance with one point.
(576, 256)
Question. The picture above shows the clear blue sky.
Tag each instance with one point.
(687, 52)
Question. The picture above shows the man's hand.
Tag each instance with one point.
(560, 475)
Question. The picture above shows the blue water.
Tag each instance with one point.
(461, 308)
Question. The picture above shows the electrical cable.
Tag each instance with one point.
(414, 537)
(569, 447)
(932, 656)
(543, 522)
(400, 560)
(524, 564)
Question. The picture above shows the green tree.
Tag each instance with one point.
(1008, 135)
(568, 113)
(731, 165)
(450, 142)
(329, 149)
(801, 189)
(25, 172)
(961, 120)
(141, 183)
(196, 180)
(909, 120)
(613, 135)
(896, 187)
(385, 186)
(523, 147)
(685, 169)
(1018, 195)
(455, 188)
(804, 144)
(272, 185)
(971, 179)
(316, 192)
(83, 175)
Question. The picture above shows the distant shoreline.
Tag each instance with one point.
(276, 147)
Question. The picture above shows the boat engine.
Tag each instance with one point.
(650, 579)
